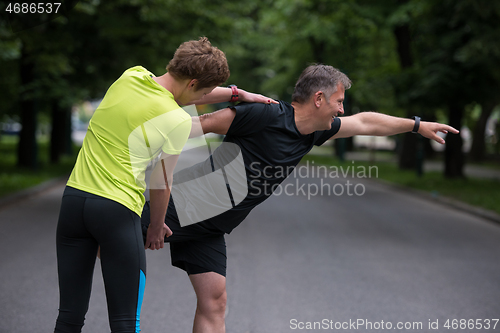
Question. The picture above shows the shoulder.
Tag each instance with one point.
(261, 110)
(254, 117)
(136, 75)
(136, 70)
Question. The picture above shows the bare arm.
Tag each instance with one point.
(216, 122)
(379, 124)
(221, 95)
(160, 185)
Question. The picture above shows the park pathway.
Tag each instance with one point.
(376, 257)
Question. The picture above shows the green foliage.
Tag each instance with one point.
(456, 45)
(13, 179)
(268, 43)
(454, 51)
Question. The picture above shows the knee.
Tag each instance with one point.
(221, 303)
(214, 305)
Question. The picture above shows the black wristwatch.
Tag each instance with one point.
(417, 124)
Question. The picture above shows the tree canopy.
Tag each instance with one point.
(404, 56)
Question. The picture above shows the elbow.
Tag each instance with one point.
(371, 123)
(204, 123)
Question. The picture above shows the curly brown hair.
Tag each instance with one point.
(198, 59)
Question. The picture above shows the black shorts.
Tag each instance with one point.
(196, 248)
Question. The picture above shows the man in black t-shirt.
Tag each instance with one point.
(272, 139)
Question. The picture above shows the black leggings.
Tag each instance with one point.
(87, 221)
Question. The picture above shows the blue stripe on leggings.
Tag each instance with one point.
(142, 286)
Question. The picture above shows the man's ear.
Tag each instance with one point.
(318, 98)
(192, 84)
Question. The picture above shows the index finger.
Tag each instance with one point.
(453, 130)
(446, 128)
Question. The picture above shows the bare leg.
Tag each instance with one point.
(211, 293)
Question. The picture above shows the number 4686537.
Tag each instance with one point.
(33, 8)
(471, 324)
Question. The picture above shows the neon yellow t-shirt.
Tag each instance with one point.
(135, 121)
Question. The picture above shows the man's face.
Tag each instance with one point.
(333, 107)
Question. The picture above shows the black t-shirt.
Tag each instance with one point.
(271, 146)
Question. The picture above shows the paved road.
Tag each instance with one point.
(382, 256)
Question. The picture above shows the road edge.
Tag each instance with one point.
(457, 204)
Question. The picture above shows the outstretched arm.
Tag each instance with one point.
(216, 122)
(221, 95)
(379, 124)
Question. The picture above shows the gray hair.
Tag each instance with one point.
(318, 77)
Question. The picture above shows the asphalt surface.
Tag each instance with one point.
(383, 257)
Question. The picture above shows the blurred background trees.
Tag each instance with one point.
(437, 59)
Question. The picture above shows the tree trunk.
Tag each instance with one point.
(478, 148)
(403, 39)
(454, 157)
(27, 149)
(57, 134)
(408, 147)
(68, 130)
(318, 49)
(408, 152)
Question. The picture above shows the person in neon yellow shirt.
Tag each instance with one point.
(138, 120)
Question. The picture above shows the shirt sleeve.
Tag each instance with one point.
(320, 137)
(251, 118)
(177, 137)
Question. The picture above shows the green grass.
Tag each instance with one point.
(13, 178)
(483, 193)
